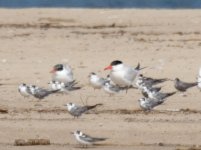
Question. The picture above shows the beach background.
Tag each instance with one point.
(34, 40)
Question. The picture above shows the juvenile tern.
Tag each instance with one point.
(24, 90)
(86, 139)
(95, 81)
(183, 86)
(77, 110)
(148, 104)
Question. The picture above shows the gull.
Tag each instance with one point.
(95, 81)
(77, 110)
(62, 73)
(86, 139)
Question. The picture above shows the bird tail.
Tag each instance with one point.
(138, 67)
(99, 139)
(93, 106)
(171, 93)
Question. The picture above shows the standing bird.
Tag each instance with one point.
(147, 104)
(86, 139)
(183, 86)
(24, 90)
(62, 73)
(95, 81)
(76, 110)
(121, 74)
(40, 93)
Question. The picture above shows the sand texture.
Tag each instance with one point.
(34, 40)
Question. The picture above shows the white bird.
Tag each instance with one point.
(24, 90)
(121, 74)
(62, 73)
(86, 139)
(77, 110)
(95, 81)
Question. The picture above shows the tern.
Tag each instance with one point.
(24, 90)
(183, 86)
(77, 110)
(159, 95)
(64, 87)
(147, 104)
(96, 82)
(62, 73)
(86, 139)
(40, 93)
(149, 81)
(112, 89)
(121, 74)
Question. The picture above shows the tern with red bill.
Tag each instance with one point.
(62, 73)
(123, 75)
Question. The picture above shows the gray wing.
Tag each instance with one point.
(151, 103)
(131, 74)
(78, 110)
(115, 88)
(102, 81)
(41, 93)
(91, 139)
(183, 85)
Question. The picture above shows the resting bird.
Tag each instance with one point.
(95, 81)
(77, 110)
(147, 104)
(86, 139)
(40, 93)
(183, 86)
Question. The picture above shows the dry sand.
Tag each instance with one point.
(33, 40)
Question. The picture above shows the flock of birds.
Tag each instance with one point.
(121, 78)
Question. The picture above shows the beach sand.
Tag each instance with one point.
(32, 41)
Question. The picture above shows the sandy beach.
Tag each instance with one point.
(32, 41)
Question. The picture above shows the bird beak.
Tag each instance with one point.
(64, 105)
(71, 133)
(53, 71)
(108, 68)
